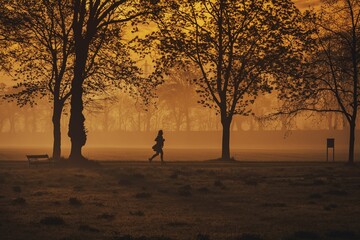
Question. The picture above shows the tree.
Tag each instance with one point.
(93, 23)
(331, 79)
(178, 94)
(44, 53)
(8, 24)
(238, 46)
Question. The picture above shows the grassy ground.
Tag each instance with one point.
(127, 200)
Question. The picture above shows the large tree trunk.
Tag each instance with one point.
(56, 119)
(77, 132)
(352, 141)
(225, 151)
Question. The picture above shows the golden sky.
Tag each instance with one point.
(303, 4)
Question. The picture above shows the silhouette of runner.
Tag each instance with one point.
(158, 146)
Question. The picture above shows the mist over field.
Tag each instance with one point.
(300, 145)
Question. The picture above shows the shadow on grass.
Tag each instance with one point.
(303, 235)
(342, 234)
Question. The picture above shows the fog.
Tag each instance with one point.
(120, 127)
(297, 145)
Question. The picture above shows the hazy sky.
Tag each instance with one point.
(306, 3)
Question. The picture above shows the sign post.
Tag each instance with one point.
(330, 143)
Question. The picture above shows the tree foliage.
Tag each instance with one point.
(242, 48)
(330, 81)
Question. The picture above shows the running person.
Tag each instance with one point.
(158, 147)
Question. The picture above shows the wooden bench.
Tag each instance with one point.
(39, 159)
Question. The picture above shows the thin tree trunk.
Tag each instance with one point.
(187, 115)
(352, 142)
(56, 119)
(225, 152)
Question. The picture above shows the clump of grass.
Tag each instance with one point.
(78, 188)
(124, 182)
(80, 175)
(249, 236)
(2, 179)
(40, 193)
(315, 196)
(137, 176)
(203, 190)
(218, 183)
(106, 216)
(330, 207)
(174, 175)
(200, 171)
(129, 179)
(251, 181)
(137, 213)
(99, 204)
(342, 234)
(178, 224)
(303, 235)
(16, 189)
(163, 190)
(337, 192)
(185, 191)
(87, 228)
(274, 205)
(52, 220)
(75, 202)
(142, 195)
(201, 236)
(57, 203)
(318, 182)
(129, 237)
(18, 201)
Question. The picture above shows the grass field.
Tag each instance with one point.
(180, 200)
